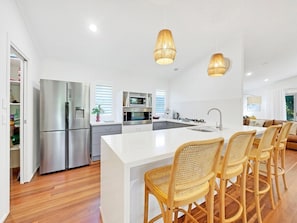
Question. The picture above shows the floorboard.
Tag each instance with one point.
(74, 196)
(68, 196)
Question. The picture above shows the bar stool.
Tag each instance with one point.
(280, 152)
(190, 177)
(234, 166)
(260, 154)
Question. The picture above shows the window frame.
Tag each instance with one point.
(160, 93)
(108, 112)
(294, 95)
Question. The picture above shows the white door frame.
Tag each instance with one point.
(23, 108)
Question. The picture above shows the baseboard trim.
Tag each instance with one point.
(3, 218)
(31, 176)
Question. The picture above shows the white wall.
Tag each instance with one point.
(13, 30)
(272, 106)
(193, 92)
(133, 80)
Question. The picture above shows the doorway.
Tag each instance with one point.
(17, 89)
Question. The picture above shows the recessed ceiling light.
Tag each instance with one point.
(249, 74)
(93, 28)
(266, 79)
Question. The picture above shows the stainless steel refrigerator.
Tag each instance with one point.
(64, 125)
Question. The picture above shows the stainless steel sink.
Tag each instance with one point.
(204, 128)
(185, 120)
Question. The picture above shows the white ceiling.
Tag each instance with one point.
(128, 31)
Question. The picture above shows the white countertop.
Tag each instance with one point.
(134, 149)
(177, 121)
(93, 123)
(105, 123)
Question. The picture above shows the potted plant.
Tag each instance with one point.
(97, 110)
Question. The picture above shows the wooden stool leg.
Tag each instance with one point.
(168, 215)
(256, 191)
(276, 176)
(210, 204)
(189, 211)
(283, 161)
(243, 193)
(268, 164)
(222, 200)
(146, 199)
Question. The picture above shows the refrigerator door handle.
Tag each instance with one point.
(67, 134)
(67, 114)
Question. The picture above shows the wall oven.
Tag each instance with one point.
(136, 116)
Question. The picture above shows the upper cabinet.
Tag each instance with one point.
(136, 99)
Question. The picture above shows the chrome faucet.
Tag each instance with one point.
(216, 109)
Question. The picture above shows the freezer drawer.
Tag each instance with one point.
(79, 148)
(52, 151)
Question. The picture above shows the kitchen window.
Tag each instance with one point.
(254, 103)
(160, 102)
(103, 97)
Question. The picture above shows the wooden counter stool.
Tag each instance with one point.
(279, 152)
(190, 177)
(262, 154)
(234, 166)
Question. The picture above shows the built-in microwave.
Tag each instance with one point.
(136, 116)
(137, 101)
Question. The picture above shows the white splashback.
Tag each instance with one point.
(194, 92)
(198, 110)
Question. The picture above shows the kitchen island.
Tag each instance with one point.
(126, 157)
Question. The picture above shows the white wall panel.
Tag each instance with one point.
(193, 92)
(269, 105)
(13, 30)
(133, 80)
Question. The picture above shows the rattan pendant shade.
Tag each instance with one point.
(165, 51)
(218, 65)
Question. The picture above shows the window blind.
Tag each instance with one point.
(103, 97)
(160, 101)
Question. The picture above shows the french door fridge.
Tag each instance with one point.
(64, 125)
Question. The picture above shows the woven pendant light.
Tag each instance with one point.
(165, 49)
(218, 65)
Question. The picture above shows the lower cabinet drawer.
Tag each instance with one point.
(107, 128)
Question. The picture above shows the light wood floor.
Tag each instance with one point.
(68, 196)
(74, 196)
